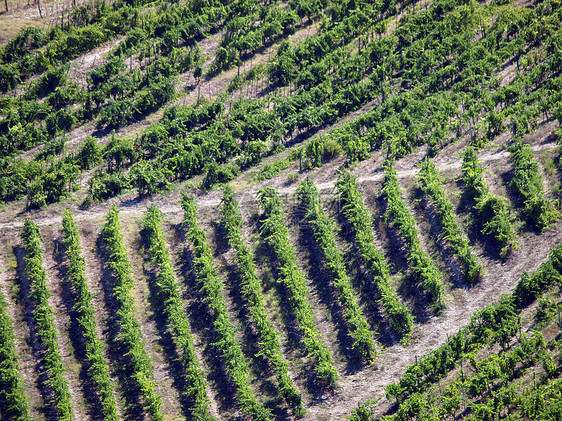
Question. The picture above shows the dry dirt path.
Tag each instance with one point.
(501, 278)
(356, 387)
(445, 162)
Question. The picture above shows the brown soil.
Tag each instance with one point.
(22, 13)
(355, 385)
(358, 382)
(12, 293)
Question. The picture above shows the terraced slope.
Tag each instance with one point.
(424, 136)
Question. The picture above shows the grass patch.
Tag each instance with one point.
(292, 177)
(10, 26)
(271, 169)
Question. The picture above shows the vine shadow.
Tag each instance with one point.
(328, 295)
(490, 247)
(363, 282)
(295, 335)
(201, 322)
(60, 257)
(34, 341)
(122, 364)
(397, 255)
(259, 363)
(518, 203)
(453, 265)
(165, 338)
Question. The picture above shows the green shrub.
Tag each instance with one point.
(321, 149)
(492, 210)
(90, 154)
(271, 169)
(528, 183)
(104, 185)
(292, 177)
(217, 174)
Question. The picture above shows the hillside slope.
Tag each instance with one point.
(126, 107)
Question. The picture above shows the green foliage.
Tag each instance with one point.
(492, 210)
(323, 229)
(357, 215)
(326, 78)
(497, 323)
(169, 295)
(104, 73)
(251, 288)
(140, 366)
(97, 367)
(58, 122)
(544, 403)
(43, 317)
(52, 149)
(421, 264)
(90, 154)
(321, 149)
(249, 130)
(104, 185)
(271, 169)
(527, 182)
(274, 231)
(532, 286)
(12, 393)
(292, 177)
(363, 412)
(117, 151)
(76, 42)
(492, 384)
(55, 183)
(9, 78)
(116, 114)
(247, 32)
(211, 289)
(430, 78)
(51, 80)
(217, 174)
(147, 179)
(547, 310)
(431, 184)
